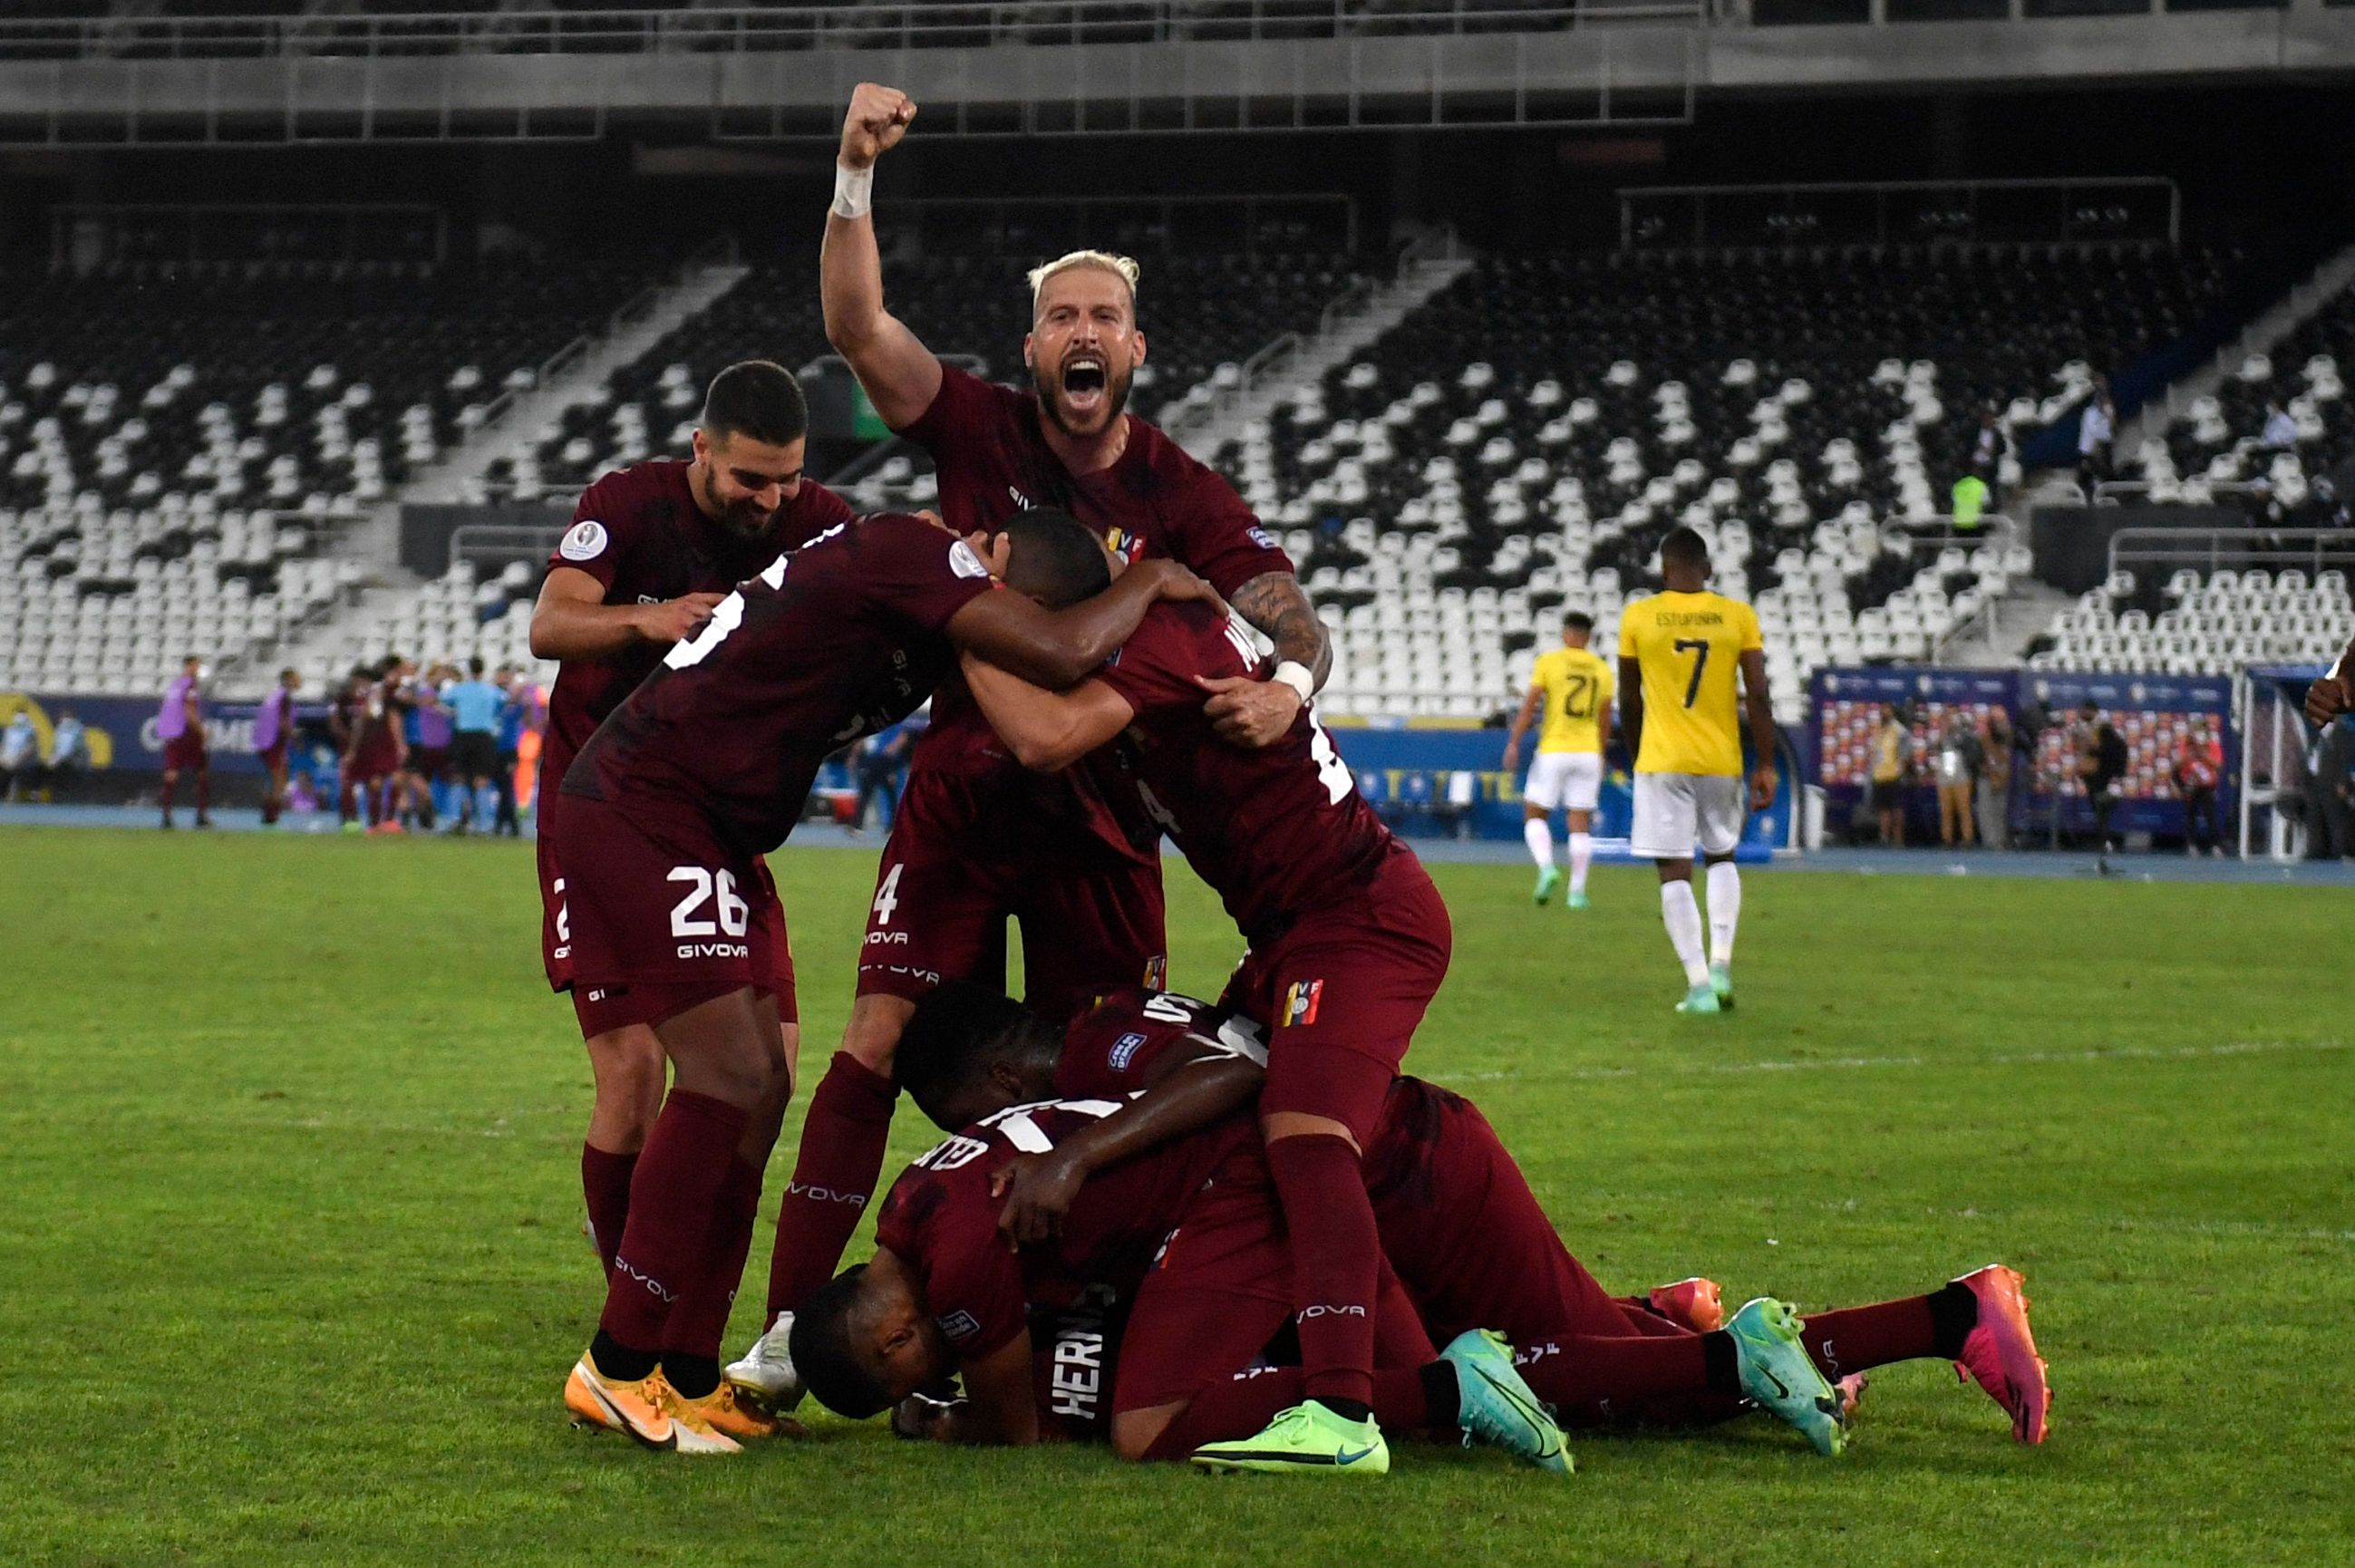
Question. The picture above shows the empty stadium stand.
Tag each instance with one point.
(176, 443)
(1198, 312)
(1520, 445)
(2212, 621)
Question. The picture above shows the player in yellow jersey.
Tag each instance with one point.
(1571, 686)
(1678, 652)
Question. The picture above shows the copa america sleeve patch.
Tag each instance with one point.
(585, 540)
(959, 1325)
(963, 562)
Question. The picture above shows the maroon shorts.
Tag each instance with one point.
(429, 761)
(185, 752)
(1220, 1296)
(657, 900)
(1221, 1290)
(950, 876)
(1467, 1237)
(555, 919)
(272, 756)
(1342, 992)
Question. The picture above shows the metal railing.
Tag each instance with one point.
(2118, 492)
(749, 30)
(2312, 550)
(1861, 211)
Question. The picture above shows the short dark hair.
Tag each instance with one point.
(1578, 621)
(1685, 546)
(823, 1354)
(1056, 557)
(759, 398)
(474, 667)
(949, 1036)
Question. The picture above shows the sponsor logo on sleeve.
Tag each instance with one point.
(959, 1325)
(585, 540)
(1261, 537)
(963, 562)
(1125, 1050)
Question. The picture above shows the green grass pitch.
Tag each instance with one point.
(293, 1268)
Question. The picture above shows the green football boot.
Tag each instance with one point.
(1494, 1406)
(1720, 980)
(1549, 878)
(1701, 998)
(1306, 1440)
(1777, 1372)
(1577, 899)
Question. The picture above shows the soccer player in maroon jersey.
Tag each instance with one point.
(1469, 1241)
(974, 843)
(180, 725)
(1350, 941)
(1186, 1235)
(375, 748)
(652, 548)
(665, 814)
(274, 736)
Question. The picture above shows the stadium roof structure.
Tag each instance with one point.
(1075, 67)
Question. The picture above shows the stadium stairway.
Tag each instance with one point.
(375, 545)
(1429, 264)
(2330, 279)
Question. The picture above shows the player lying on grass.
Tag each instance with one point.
(701, 770)
(1457, 1221)
(1189, 1239)
(1350, 940)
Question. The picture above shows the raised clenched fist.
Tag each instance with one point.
(879, 117)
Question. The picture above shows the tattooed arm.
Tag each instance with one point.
(1257, 714)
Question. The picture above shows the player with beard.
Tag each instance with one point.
(651, 550)
(1470, 1243)
(977, 842)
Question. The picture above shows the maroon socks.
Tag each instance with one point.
(841, 1157)
(666, 1248)
(1335, 1259)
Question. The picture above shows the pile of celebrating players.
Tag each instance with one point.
(1227, 1232)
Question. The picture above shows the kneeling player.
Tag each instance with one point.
(1459, 1223)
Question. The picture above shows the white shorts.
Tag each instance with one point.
(1674, 811)
(1557, 779)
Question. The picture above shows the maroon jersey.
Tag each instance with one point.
(639, 532)
(829, 643)
(1109, 1051)
(994, 460)
(1279, 831)
(940, 1218)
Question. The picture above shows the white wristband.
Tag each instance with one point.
(854, 191)
(1298, 676)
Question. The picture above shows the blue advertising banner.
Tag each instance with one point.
(1411, 777)
(121, 729)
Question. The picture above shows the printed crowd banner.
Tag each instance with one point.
(2151, 713)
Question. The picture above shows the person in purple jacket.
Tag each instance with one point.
(273, 731)
(180, 725)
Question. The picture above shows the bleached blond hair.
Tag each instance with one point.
(1123, 267)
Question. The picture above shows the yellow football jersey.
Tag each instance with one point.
(1577, 684)
(1689, 646)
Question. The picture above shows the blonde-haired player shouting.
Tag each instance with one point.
(1678, 653)
(1571, 684)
